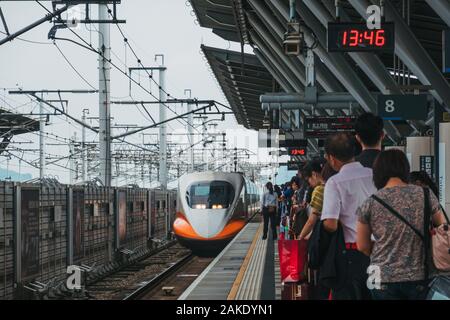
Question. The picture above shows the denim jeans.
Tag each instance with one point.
(408, 290)
(269, 217)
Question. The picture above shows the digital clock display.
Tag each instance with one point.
(297, 151)
(357, 37)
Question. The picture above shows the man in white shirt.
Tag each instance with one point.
(344, 193)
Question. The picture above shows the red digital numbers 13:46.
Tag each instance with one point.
(355, 38)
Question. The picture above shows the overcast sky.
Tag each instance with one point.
(153, 27)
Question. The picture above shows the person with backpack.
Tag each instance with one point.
(369, 134)
(394, 217)
(269, 210)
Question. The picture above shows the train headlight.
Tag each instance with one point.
(200, 206)
(217, 206)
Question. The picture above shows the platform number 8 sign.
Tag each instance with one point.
(389, 107)
(403, 107)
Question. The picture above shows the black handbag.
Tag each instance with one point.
(301, 217)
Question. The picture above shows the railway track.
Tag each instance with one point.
(174, 281)
(123, 283)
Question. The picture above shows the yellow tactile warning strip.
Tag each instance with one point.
(240, 276)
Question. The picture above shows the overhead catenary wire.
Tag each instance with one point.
(89, 47)
(115, 66)
(29, 41)
(72, 66)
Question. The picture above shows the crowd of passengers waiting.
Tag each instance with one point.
(372, 204)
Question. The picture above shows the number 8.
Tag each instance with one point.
(390, 106)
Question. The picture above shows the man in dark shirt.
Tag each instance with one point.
(370, 134)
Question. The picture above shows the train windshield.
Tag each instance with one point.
(210, 195)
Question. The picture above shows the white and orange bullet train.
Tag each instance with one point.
(213, 207)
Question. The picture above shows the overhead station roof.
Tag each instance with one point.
(220, 16)
(418, 49)
(14, 124)
(243, 80)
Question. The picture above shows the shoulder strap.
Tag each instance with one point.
(427, 223)
(398, 215)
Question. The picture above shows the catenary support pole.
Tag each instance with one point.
(41, 140)
(162, 127)
(104, 97)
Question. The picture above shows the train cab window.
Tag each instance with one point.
(210, 195)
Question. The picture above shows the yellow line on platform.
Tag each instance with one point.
(240, 276)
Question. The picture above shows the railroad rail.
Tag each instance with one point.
(125, 282)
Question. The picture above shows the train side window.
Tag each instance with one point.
(163, 204)
(158, 204)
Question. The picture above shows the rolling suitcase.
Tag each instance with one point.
(296, 291)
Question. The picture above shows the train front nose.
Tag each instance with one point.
(208, 223)
(209, 207)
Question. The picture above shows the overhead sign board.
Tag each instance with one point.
(348, 37)
(322, 126)
(403, 107)
(294, 143)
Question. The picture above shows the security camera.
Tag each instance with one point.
(293, 45)
(293, 40)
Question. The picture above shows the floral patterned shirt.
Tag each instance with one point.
(398, 251)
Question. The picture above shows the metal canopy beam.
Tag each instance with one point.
(240, 89)
(369, 63)
(411, 52)
(221, 18)
(335, 62)
(442, 8)
(324, 77)
(229, 35)
(274, 45)
(272, 69)
(274, 59)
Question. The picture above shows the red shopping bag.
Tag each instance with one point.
(293, 260)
